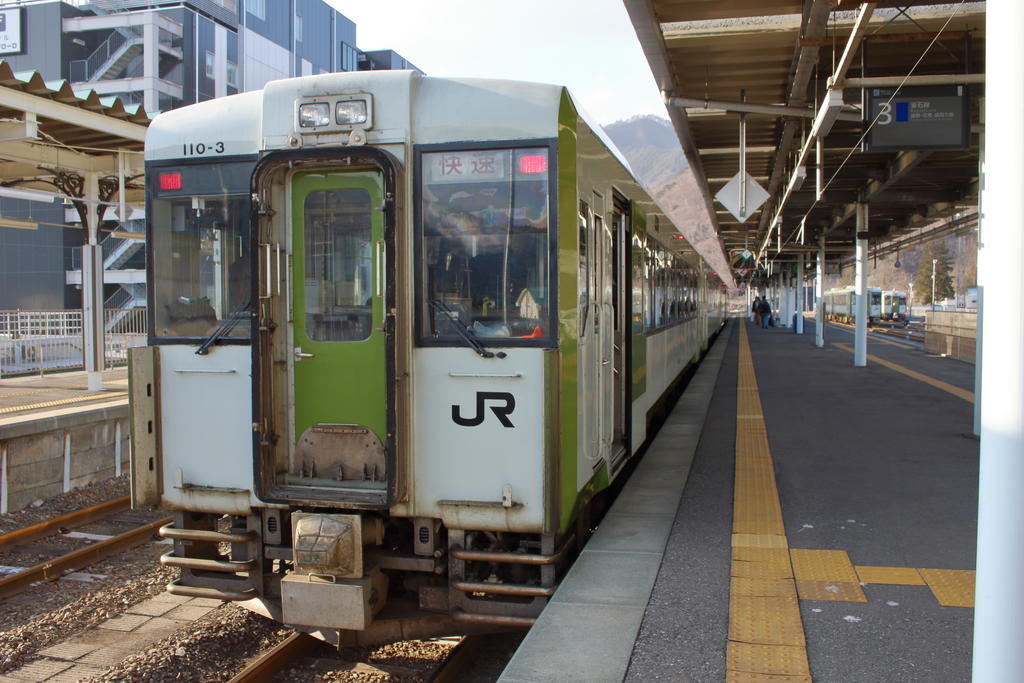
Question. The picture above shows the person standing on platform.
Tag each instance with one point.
(765, 309)
(755, 310)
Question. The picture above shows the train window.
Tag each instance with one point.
(584, 274)
(200, 242)
(485, 259)
(639, 281)
(338, 265)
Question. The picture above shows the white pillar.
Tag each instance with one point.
(779, 292)
(979, 321)
(790, 300)
(800, 293)
(92, 288)
(151, 63)
(819, 295)
(999, 591)
(860, 282)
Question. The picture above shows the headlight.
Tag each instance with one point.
(314, 115)
(350, 112)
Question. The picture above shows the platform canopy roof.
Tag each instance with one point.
(53, 137)
(798, 73)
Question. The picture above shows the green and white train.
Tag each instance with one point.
(404, 332)
(841, 304)
(894, 305)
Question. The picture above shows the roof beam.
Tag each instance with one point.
(51, 109)
(725, 107)
(674, 32)
(924, 79)
(38, 155)
(899, 168)
(860, 27)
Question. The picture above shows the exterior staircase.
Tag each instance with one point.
(110, 60)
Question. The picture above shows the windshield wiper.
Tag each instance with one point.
(240, 313)
(463, 331)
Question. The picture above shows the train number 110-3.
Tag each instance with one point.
(191, 149)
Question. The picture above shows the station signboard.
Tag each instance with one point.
(12, 31)
(918, 117)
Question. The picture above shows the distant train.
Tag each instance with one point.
(894, 305)
(403, 332)
(841, 304)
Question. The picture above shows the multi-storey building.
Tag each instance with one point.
(161, 55)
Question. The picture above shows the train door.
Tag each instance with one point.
(340, 347)
(620, 240)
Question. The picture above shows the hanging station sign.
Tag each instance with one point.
(918, 117)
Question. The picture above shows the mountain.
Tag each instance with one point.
(652, 149)
(651, 146)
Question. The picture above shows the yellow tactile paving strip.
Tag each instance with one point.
(64, 401)
(766, 633)
(937, 383)
(893, 576)
(951, 587)
(32, 392)
(826, 575)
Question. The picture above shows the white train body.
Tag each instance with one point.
(428, 317)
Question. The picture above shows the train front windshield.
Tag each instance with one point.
(485, 245)
(199, 236)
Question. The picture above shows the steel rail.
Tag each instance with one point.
(71, 520)
(457, 663)
(273, 661)
(77, 559)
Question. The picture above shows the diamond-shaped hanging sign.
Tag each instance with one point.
(729, 197)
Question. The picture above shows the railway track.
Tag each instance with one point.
(473, 658)
(902, 333)
(55, 568)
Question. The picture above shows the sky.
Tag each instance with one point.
(587, 45)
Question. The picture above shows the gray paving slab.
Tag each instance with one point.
(552, 649)
(610, 578)
(632, 532)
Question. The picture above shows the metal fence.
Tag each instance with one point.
(42, 341)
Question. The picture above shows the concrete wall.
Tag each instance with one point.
(46, 456)
(951, 333)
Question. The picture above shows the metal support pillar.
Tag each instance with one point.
(92, 288)
(801, 303)
(819, 295)
(999, 592)
(860, 283)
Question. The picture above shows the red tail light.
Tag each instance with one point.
(170, 181)
(533, 163)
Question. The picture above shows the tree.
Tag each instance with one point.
(934, 250)
(971, 278)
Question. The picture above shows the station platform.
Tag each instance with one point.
(55, 435)
(797, 519)
(29, 394)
